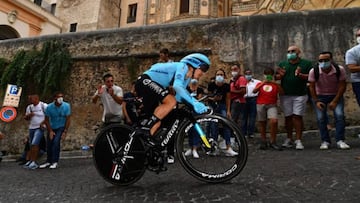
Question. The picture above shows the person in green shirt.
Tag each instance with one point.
(293, 74)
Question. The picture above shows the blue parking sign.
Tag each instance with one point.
(13, 90)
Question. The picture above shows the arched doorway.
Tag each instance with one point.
(7, 32)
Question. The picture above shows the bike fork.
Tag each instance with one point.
(202, 135)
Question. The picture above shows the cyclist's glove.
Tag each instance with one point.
(200, 107)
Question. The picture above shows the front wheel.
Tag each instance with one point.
(109, 151)
(223, 161)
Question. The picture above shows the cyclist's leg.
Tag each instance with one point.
(168, 104)
(153, 94)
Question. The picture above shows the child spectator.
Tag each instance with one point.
(266, 105)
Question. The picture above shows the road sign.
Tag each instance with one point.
(8, 114)
(12, 95)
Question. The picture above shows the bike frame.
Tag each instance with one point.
(181, 114)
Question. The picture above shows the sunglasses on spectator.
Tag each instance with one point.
(324, 60)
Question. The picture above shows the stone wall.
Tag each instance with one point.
(255, 42)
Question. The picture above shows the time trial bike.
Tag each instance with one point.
(121, 154)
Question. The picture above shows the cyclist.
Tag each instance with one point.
(154, 83)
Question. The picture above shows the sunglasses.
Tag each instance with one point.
(204, 67)
(324, 60)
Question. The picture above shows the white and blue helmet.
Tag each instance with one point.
(197, 60)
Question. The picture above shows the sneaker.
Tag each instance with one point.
(299, 145)
(342, 145)
(53, 165)
(188, 152)
(263, 145)
(275, 147)
(222, 144)
(26, 165)
(287, 143)
(230, 152)
(170, 159)
(195, 154)
(45, 165)
(324, 145)
(33, 165)
(213, 152)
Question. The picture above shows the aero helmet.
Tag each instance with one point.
(197, 60)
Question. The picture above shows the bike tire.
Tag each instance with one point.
(211, 167)
(107, 153)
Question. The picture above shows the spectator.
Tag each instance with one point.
(57, 120)
(267, 108)
(237, 92)
(111, 97)
(35, 113)
(249, 116)
(164, 56)
(327, 87)
(221, 102)
(352, 61)
(196, 92)
(131, 106)
(293, 74)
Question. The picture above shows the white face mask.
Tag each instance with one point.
(60, 100)
(234, 73)
(358, 40)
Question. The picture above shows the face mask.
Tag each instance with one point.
(268, 77)
(60, 100)
(291, 56)
(219, 78)
(324, 65)
(248, 77)
(234, 73)
(358, 40)
(194, 81)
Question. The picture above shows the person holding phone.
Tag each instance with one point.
(327, 90)
(111, 97)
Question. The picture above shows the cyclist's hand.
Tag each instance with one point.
(200, 108)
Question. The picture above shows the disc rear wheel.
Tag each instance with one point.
(109, 151)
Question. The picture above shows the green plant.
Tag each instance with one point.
(39, 71)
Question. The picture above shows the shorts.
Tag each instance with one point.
(293, 105)
(266, 111)
(35, 136)
(151, 92)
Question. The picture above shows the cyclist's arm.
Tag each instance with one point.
(180, 85)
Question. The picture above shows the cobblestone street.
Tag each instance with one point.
(310, 175)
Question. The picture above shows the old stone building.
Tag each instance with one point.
(27, 18)
(24, 18)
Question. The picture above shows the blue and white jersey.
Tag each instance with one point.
(165, 73)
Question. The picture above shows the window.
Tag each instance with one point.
(38, 2)
(73, 27)
(184, 6)
(52, 9)
(132, 13)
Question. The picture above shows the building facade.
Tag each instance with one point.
(25, 18)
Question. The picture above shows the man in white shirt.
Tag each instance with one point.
(249, 117)
(35, 113)
(111, 97)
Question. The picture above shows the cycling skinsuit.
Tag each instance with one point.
(153, 84)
